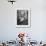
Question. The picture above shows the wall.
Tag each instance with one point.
(8, 28)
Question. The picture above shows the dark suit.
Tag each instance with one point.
(24, 22)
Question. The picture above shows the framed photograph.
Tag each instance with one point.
(23, 17)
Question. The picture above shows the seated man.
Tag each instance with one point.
(22, 18)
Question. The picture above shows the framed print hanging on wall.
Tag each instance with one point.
(23, 17)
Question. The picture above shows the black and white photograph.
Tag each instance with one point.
(23, 17)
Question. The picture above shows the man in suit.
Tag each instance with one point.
(22, 17)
